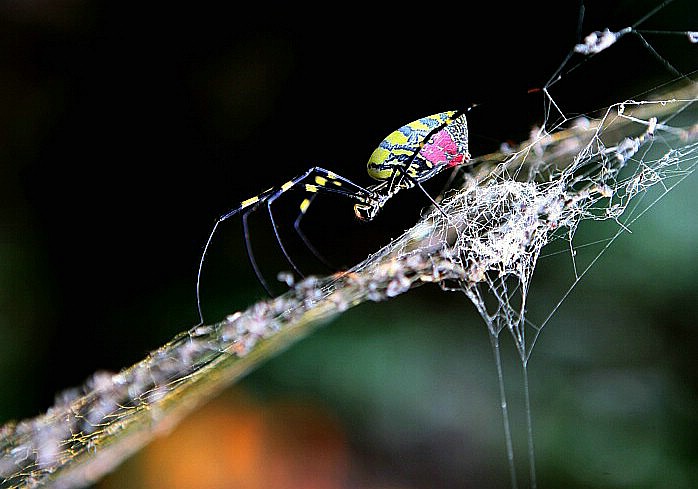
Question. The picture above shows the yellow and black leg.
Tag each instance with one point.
(315, 180)
(308, 244)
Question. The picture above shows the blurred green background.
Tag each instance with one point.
(126, 130)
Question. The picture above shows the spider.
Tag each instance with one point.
(407, 157)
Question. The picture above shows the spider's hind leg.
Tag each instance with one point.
(416, 183)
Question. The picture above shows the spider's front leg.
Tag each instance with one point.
(313, 181)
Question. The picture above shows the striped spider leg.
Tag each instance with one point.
(314, 180)
(407, 157)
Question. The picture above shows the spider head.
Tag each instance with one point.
(367, 211)
(368, 207)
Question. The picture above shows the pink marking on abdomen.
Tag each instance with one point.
(441, 150)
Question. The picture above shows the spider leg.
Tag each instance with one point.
(250, 254)
(296, 225)
(252, 203)
(323, 181)
(418, 184)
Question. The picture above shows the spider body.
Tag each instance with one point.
(413, 154)
(408, 156)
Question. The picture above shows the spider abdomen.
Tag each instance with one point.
(422, 148)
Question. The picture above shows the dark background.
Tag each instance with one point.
(126, 129)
